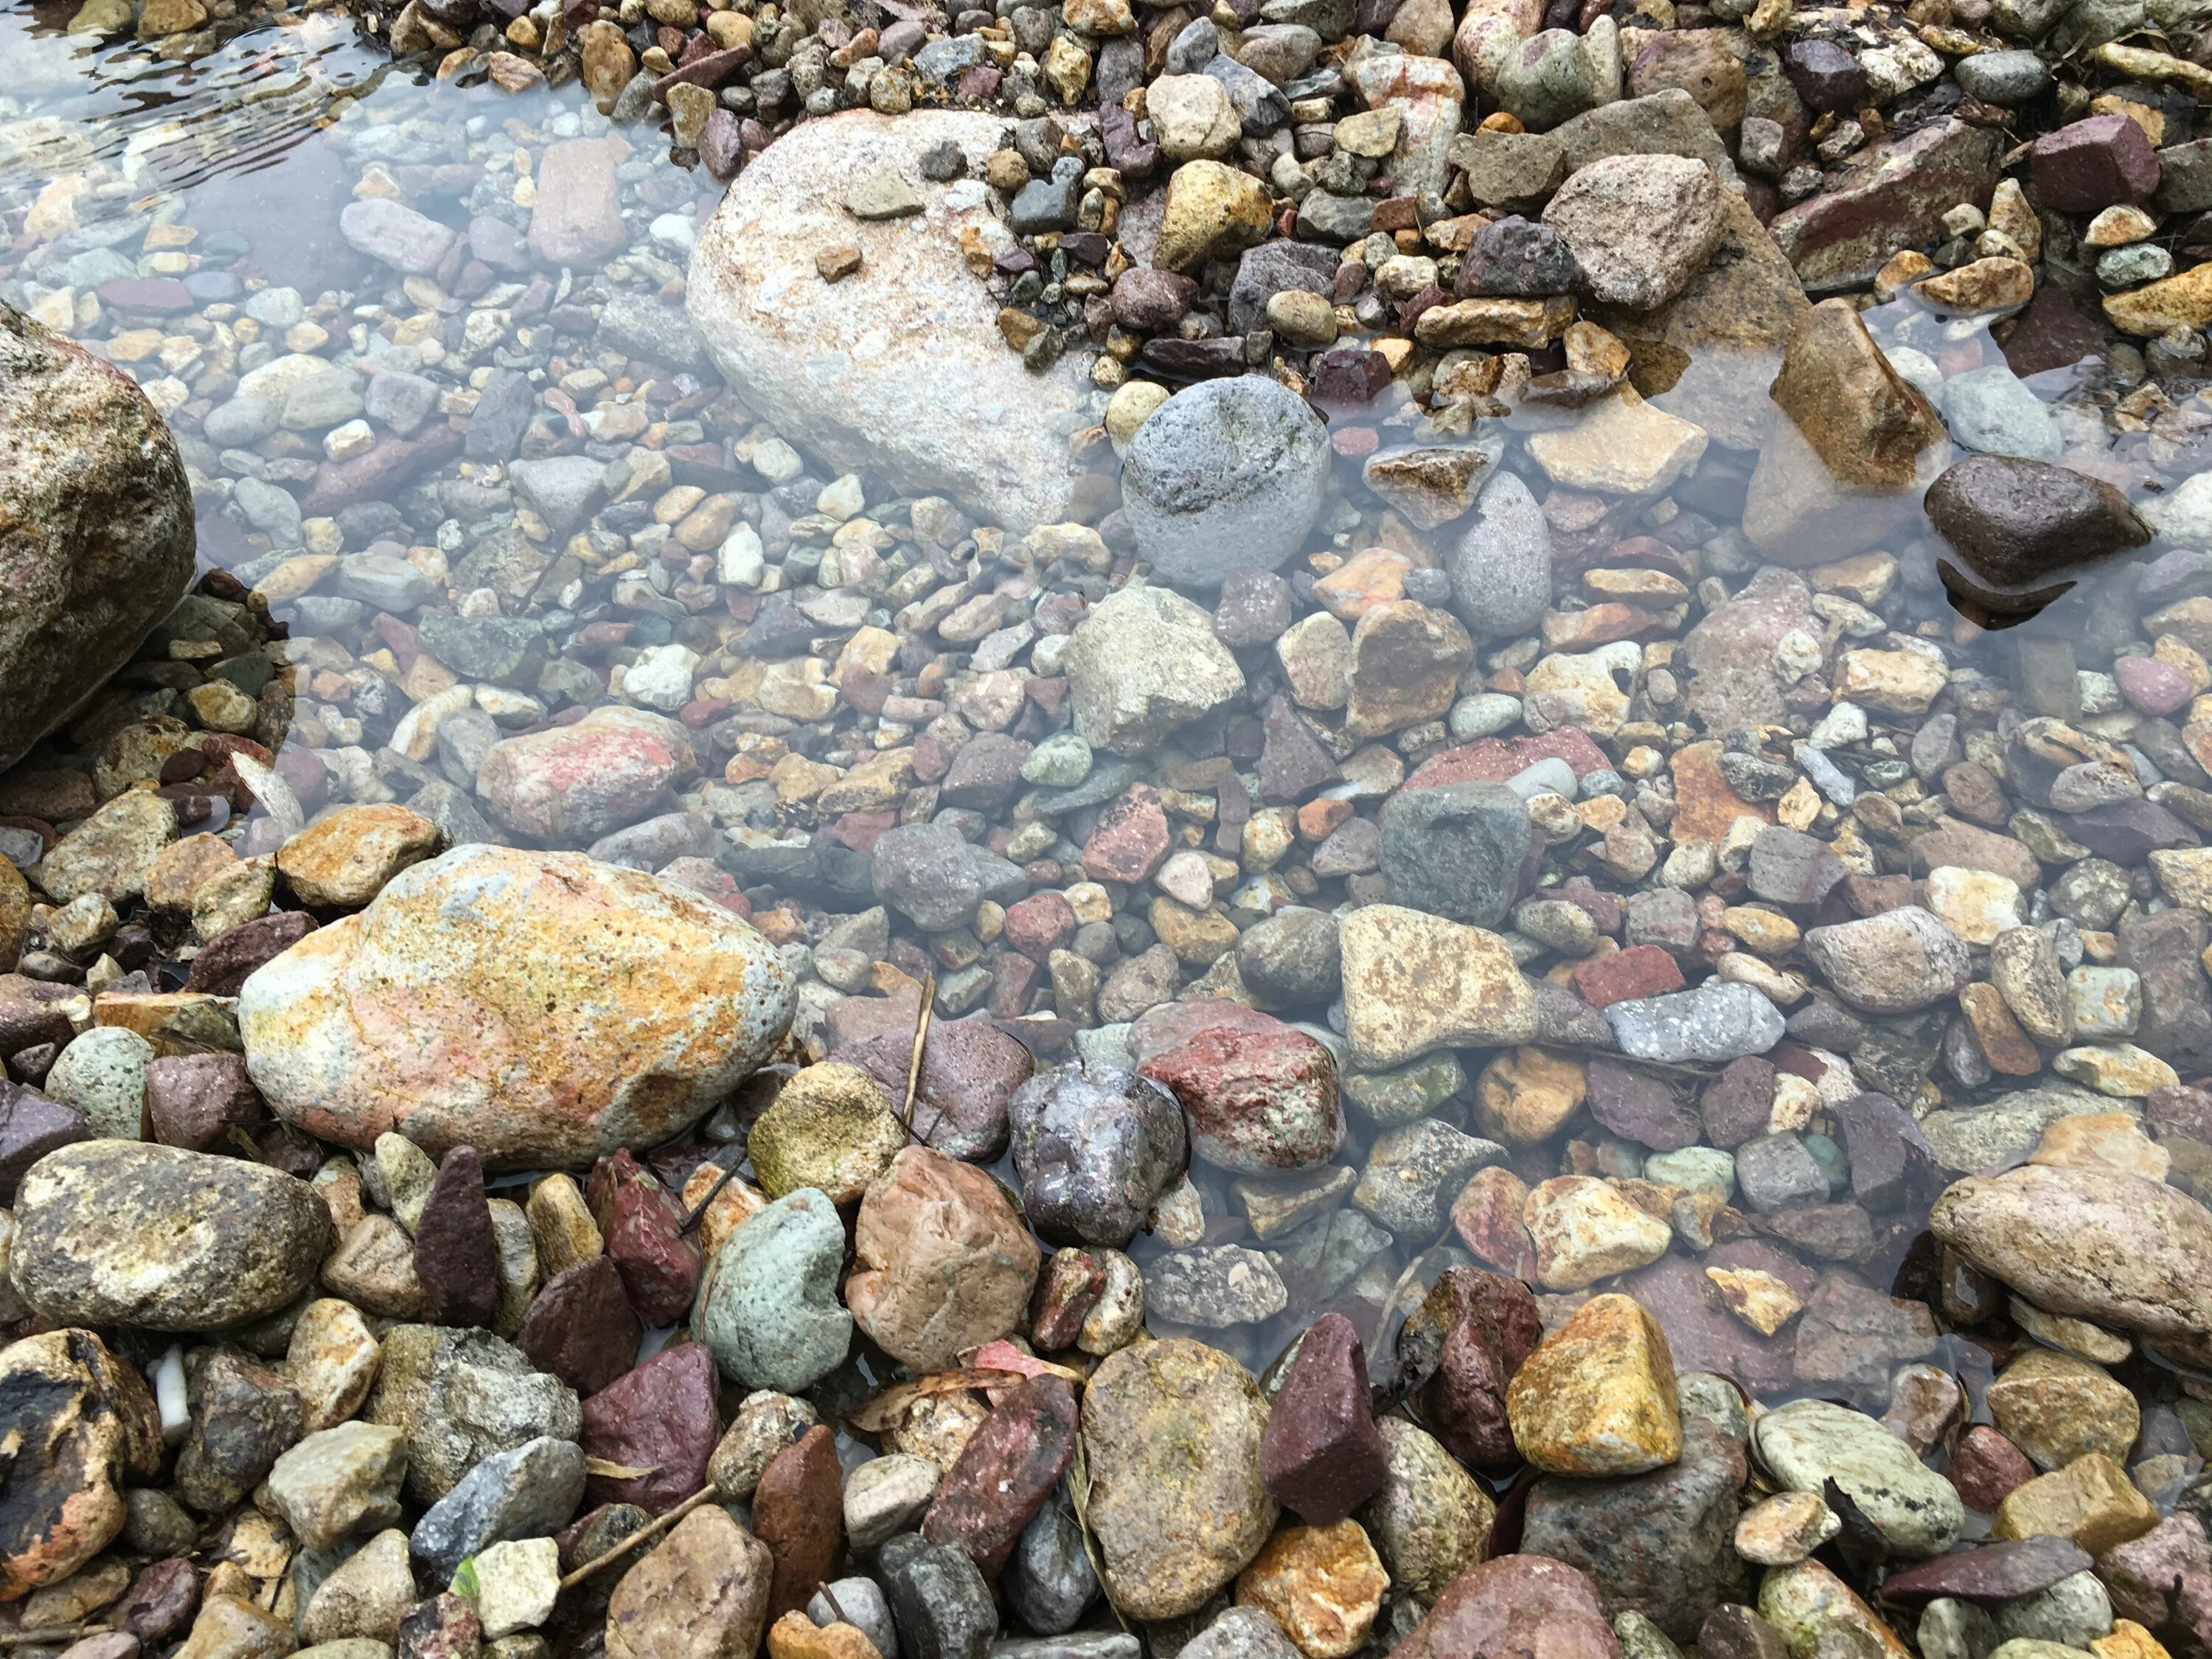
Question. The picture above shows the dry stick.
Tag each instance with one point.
(914, 1060)
(653, 1530)
(52, 1633)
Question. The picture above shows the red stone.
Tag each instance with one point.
(1515, 1607)
(1641, 971)
(663, 1418)
(1004, 1474)
(1320, 1455)
(799, 1513)
(456, 1255)
(1257, 1101)
(582, 1327)
(1131, 839)
(1494, 760)
(1040, 924)
(2155, 687)
(642, 1222)
(1986, 1466)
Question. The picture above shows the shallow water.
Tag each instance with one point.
(258, 140)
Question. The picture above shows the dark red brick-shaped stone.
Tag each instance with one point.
(799, 1513)
(582, 1327)
(225, 960)
(1006, 1471)
(1641, 971)
(1638, 1106)
(664, 1417)
(456, 1254)
(2101, 161)
(1987, 1467)
(1320, 1455)
(643, 1223)
(196, 1100)
(1131, 839)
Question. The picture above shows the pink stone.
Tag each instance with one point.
(1641, 971)
(1131, 839)
(1493, 760)
(2155, 687)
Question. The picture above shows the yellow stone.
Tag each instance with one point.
(1981, 285)
(2183, 301)
(1522, 323)
(2056, 1408)
(2118, 1069)
(1585, 1230)
(1621, 445)
(1597, 1396)
(1767, 932)
(343, 862)
(1783, 1529)
(1807, 1601)
(1212, 212)
(1974, 904)
(2129, 1640)
(1323, 1585)
(2091, 1501)
(561, 1224)
(1525, 1095)
(2102, 1140)
(183, 867)
(1894, 682)
(1762, 1301)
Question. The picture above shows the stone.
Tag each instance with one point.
(940, 1599)
(754, 298)
(937, 879)
(339, 1481)
(1414, 983)
(768, 1306)
(122, 1232)
(942, 1262)
(1212, 212)
(662, 1418)
(85, 1428)
(1809, 1443)
(1456, 850)
(1227, 475)
(1894, 963)
(1597, 1396)
(103, 1075)
(830, 1127)
(1143, 662)
(1257, 1101)
(1431, 1519)
(459, 1396)
(1512, 1605)
(581, 781)
(2090, 1501)
(90, 452)
(521, 1088)
(1718, 1021)
(701, 1593)
(581, 1327)
(1659, 1546)
(1639, 226)
(1171, 1435)
(1322, 1585)
(2015, 522)
(456, 1256)
(796, 1513)
(1093, 1149)
(529, 1490)
(2096, 1244)
(111, 853)
(1320, 1455)
(1004, 1476)
(1500, 565)
(248, 1416)
(1891, 194)
(2093, 163)
(1584, 1230)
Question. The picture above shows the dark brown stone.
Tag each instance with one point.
(443, 1628)
(663, 1416)
(2015, 522)
(1986, 1466)
(160, 1602)
(2104, 160)
(582, 1327)
(195, 1101)
(1461, 1348)
(248, 1418)
(1006, 1471)
(33, 1012)
(1997, 1572)
(1320, 1455)
(31, 1126)
(798, 1512)
(1067, 1290)
(456, 1255)
(969, 1071)
(225, 960)
(1737, 1104)
(643, 1223)
(1640, 1106)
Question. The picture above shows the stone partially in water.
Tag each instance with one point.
(899, 368)
(1516, 1604)
(430, 1009)
(1597, 1396)
(1227, 475)
(2018, 521)
(1809, 1443)
(1092, 1151)
(97, 517)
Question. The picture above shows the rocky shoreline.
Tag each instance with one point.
(1318, 831)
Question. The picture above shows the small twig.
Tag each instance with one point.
(652, 1530)
(922, 1020)
(736, 1155)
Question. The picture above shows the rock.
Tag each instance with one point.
(1597, 1396)
(459, 1396)
(1584, 1230)
(1007, 1470)
(830, 1128)
(1809, 1443)
(969, 1071)
(795, 1512)
(1659, 1545)
(530, 1491)
(1891, 194)
(1049, 1580)
(1514, 1604)
(1143, 662)
(83, 1428)
(2090, 1501)
(1227, 475)
(606, 944)
(1415, 983)
(248, 1416)
(456, 1255)
(939, 1598)
(942, 1263)
(2015, 522)
(1431, 1519)
(1213, 1288)
(340, 1481)
(1093, 1151)
(109, 1232)
(1320, 1455)
(88, 452)
(579, 782)
(411, 243)
(703, 1589)
(662, 1418)
(103, 1075)
(2094, 163)
(1322, 1585)
(1257, 1101)
(1894, 963)
(113, 852)
(754, 296)
(365, 1596)
(1807, 1602)
(2097, 1243)
(938, 880)
(1501, 565)
(1456, 850)
(1639, 226)
(1718, 1021)
(1171, 1434)
(1990, 1573)
(1210, 211)
(768, 1306)
(1413, 1171)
